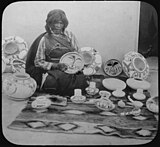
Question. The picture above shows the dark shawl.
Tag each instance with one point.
(34, 72)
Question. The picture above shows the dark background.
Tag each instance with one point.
(148, 30)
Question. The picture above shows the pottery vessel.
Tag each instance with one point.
(74, 62)
(18, 65)
(104, 104)
(91, 89)
(113, 84)
(41, 103)
(13, 48)
(113, 67)
(135, 65)
(88, 57)
(119, 93)
(104, 94)
(92, 60)
(152, 104)
(140, 85)
(19, 86)
(78, 97)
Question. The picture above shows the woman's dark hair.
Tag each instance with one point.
(54, 16)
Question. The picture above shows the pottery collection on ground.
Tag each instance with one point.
(21, 86)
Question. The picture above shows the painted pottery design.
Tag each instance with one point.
(74, 61)
(19, 86)
(87, 57)
(18, 65)
(92, 60)
(112, 67)
(91, 89)
(14, 48)
(41, 103)
(105, 104)
(135, 65)
(152, 104)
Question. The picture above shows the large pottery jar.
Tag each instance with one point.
(19, 86)
(135, 65)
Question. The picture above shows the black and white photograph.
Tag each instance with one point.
(79, 73)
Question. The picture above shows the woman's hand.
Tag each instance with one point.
(62, 66)
(59, 66)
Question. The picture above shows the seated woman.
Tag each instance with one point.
(45, 53)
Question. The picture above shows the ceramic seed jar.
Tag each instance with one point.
(19, 86)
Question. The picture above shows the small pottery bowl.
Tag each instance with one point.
(104, 104)
(41, 104)
(104, 94)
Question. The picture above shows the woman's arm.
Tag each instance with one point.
(40, 59)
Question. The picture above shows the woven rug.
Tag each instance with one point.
(87, 119)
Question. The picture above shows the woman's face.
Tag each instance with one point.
(57, 27)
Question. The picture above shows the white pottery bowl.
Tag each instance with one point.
(41, 103)
(138, 84)
(104, 104)
(113, 84)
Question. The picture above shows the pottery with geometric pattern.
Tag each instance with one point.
(14, 48)
(135, 65)
(19, 86)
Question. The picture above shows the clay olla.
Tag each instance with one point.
(19, 86)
